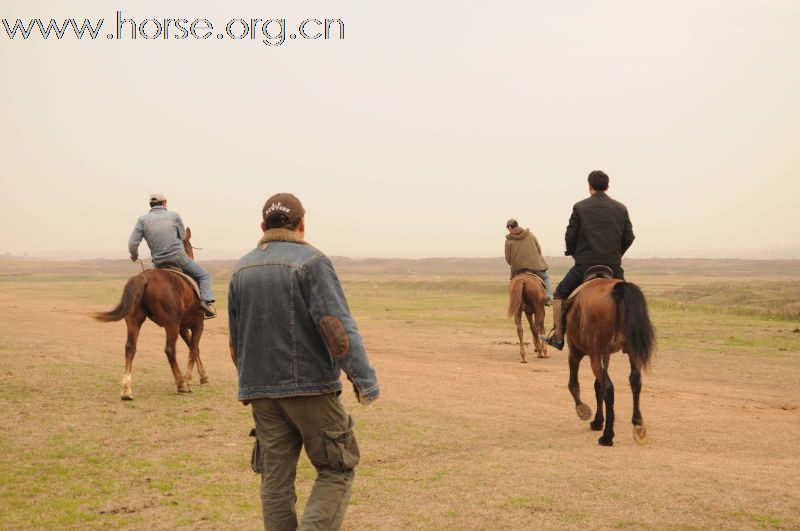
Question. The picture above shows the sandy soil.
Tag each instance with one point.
(463, 437)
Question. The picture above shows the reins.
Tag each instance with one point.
(141, 263)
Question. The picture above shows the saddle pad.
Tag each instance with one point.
(579, 288)
(187, 278)
(537, 277)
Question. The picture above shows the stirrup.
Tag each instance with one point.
(209, 312)
(551, 340)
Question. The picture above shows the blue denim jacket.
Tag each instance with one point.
(163, 230)
(290, 326)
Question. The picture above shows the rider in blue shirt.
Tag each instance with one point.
(164, 233)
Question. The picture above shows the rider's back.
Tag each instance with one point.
(602, 232)
(163, 230)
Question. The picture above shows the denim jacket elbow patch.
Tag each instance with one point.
(291, 328)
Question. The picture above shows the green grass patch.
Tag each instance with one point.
(765, 520)
(774, 300)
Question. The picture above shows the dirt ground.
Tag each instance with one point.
(463, 437)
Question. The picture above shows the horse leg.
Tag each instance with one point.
(197, 333)
(518, 322)
(186, 335)
(134, 324)
(608, 434)
(173, 331)
(530, 325)
(575, 357)
(605, 386)
(537, 329)
(597, 423)
(639, 429)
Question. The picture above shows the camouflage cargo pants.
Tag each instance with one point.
(323, 427)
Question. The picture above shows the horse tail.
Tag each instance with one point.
(515, 297)
(640, 338)
(131, 297)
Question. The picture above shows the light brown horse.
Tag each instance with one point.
(526, 294)
(609, 315)
(167, 299)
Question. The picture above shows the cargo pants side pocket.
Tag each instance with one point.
(341, 447)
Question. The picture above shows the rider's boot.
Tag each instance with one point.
(556, 337)
(208, 309)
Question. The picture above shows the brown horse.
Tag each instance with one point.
(526, 294)
(167, 299)
(606, 316)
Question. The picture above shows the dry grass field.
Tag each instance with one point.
(463, 437)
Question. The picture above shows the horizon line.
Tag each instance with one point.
(8, 256)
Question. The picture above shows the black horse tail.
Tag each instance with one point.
(131, 298)
(640, 337)
(515, 297)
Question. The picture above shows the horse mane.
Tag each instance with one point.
(188, 246)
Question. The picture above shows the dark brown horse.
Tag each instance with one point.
(167, 299)
(606, 316)
(526, 294)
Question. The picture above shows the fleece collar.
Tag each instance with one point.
(281, 235)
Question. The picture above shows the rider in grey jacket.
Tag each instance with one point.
(164, 233)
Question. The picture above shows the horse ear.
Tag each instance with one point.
(188, 234)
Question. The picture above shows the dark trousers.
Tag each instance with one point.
(574, 278)
(323, 427)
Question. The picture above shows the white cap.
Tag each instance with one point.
(157, 198)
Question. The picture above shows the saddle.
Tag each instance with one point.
(592, 273)
(598, 271)
(530, 273)
(175, 268)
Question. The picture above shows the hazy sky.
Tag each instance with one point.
(418, 134)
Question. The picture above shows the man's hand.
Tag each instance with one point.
(134, 258)
(361, 400)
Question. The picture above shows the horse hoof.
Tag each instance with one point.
(204, 380)
(640, 434)
(184, 389)
(584, 411)
(126, 397)
(602, 441)
(523, 361)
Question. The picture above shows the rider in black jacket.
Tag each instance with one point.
(599, 233)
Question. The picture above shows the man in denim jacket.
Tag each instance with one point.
(164, 233)
(291, 333)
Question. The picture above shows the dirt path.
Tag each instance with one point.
(464, 436)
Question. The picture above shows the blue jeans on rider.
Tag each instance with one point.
(193, 269)
(548, 287)
(574, 278)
